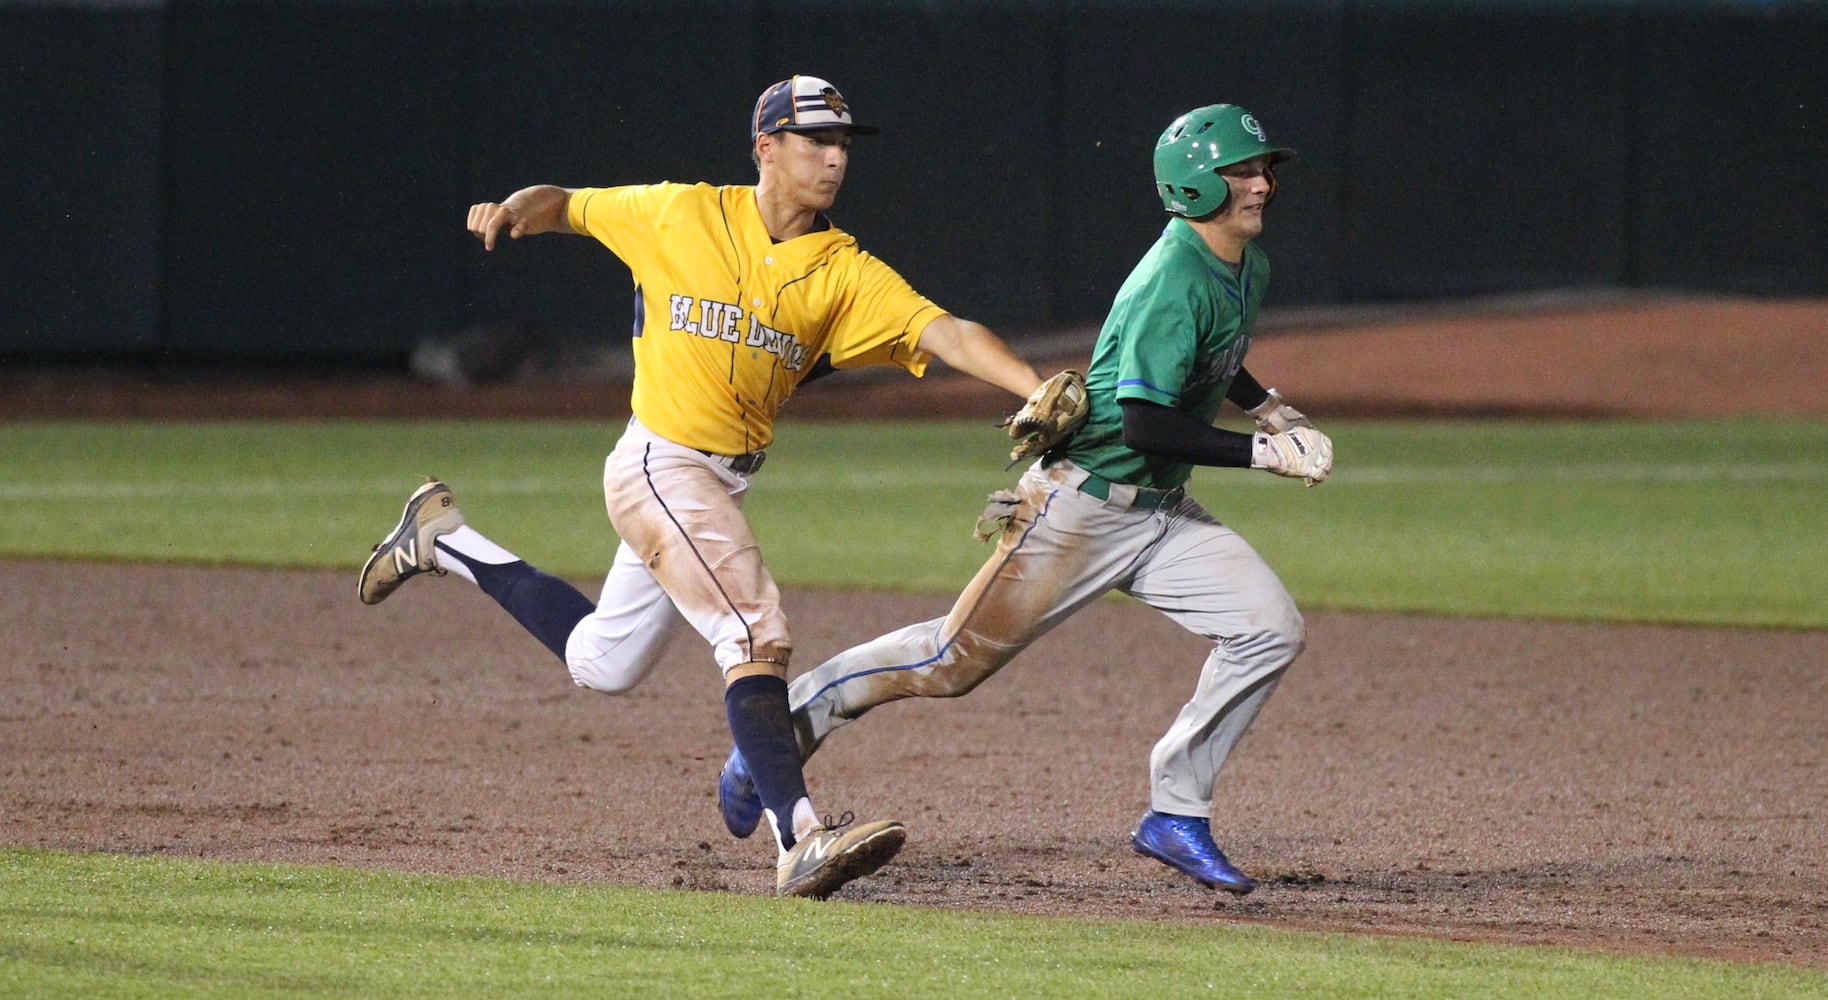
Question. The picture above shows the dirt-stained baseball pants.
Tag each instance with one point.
(1064, 549)
(687, 556)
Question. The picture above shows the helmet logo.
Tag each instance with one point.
(1250, 124)
(833, 100)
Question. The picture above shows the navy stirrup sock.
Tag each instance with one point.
(545, 605)
(762, 726)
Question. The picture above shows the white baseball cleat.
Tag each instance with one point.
(407, 552)
(818, 863)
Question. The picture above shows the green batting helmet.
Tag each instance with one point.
(1196, 146)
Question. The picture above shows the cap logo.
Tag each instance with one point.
(804, 103)
(1249, 123)
(824, 106)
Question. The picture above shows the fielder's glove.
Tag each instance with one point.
(1053, 412)
(1299, 453)
(1273, 416)
(997, 514)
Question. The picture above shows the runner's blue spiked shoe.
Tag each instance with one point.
(737, 797)
(1184, 843)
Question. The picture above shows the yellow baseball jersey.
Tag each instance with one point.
(728, 321)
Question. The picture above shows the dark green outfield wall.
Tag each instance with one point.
(235, 182)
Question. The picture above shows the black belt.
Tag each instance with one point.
(1099, 487)
(745, 463)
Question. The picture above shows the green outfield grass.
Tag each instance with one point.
(1694, 522)
(1715, 523)
(93, 926)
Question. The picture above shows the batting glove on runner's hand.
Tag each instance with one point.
(1053, 412)
(1299, 453)
(1273, 416)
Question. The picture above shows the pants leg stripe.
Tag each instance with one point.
(748, 636)
(946, 642)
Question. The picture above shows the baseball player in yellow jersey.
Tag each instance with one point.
(742, 293)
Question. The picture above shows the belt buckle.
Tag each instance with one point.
(745, 463)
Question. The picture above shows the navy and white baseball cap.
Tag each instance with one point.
(803, 104)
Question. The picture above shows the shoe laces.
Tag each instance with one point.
(826, 826)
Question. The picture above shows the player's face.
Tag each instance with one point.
(810, 165)
(1252, 182)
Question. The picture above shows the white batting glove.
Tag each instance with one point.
(1273, 416)
(1299, 453)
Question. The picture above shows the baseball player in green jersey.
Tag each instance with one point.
(1108, 510)
(742, 293)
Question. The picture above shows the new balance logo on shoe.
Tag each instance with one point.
(430, 514)
(817, 849)
(820, 862)
(406, 557)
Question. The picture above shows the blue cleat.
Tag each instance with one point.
(1184, 843)
(737, 798)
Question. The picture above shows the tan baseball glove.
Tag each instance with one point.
(998, 512)
(1053, 412)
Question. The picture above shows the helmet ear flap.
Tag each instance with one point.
(1224, 191)
(1194, 202)
(1219, 186)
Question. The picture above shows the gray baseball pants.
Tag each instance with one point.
(1064, 549)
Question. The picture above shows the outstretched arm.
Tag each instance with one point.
(973, 349)
(527, 212)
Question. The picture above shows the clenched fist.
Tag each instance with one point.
(1273, 416)
(1299, 453)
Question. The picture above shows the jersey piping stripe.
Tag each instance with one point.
(736, 251)
(774, 315)
(768, 393)
(789, 283)
(940, 653)
(1239, 294)
(585, 210)
(905, 324)
(748, 636)
(736, 268)
(1125, 383)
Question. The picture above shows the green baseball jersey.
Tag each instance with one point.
(1176, 336)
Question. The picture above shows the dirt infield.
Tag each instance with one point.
(1629, 788)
